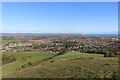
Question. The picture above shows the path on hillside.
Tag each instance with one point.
(30, 68)
(26, 68)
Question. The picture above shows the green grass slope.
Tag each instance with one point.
(72, 65)
(76, 55)
(23, 60)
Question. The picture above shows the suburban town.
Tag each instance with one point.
(58, 43)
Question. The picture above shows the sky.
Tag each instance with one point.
(60, 17)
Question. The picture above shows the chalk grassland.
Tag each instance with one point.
(36, 64)
(21, 60)
(76, 55)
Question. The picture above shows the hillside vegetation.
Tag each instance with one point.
(22, 60)
(36, 64)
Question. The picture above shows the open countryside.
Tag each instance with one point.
(71, 57)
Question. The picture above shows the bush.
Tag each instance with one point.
(106, 55)
(116, 76)
(29, 63)
(52, 61)
(111, 55)
(7, 59)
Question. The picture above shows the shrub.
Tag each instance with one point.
(7, 59)
(111, 54)
(52, 61)
(29, 63)
(106, 55)
(116, 76)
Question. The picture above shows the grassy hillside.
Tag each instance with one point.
(22, 60)
(69, 65)
(76, 55)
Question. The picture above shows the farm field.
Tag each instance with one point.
(10, 41)
(36, 64)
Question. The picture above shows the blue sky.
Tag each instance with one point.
(60, 17)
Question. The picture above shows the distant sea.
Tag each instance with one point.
(103, 34)
(66, 33)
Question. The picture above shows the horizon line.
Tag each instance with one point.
(50, 33)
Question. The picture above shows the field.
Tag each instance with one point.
(36, 64)
(10, 41)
